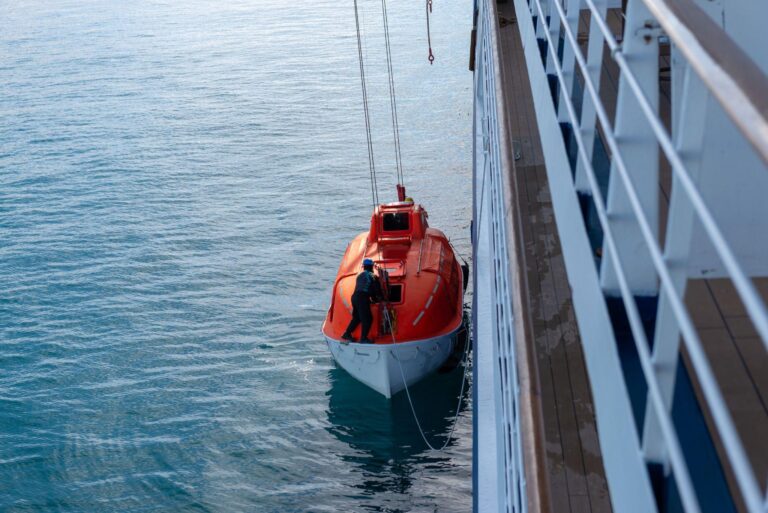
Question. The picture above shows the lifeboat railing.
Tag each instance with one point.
(718, 98)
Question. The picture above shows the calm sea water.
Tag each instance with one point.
(178, 182)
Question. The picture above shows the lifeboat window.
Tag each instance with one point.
(395, 293)
(396, 221)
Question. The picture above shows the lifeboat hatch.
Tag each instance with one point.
(395, 294)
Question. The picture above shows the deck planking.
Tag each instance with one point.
(575, 474)
(740, 365)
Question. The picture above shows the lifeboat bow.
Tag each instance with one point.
(415, 328)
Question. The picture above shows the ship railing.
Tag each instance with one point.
(716, 148)
(508, 445)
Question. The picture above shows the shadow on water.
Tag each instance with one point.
(386, 439)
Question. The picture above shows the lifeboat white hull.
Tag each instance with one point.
(376, 365)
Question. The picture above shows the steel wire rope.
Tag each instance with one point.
(366, 113)
(465, 361)
(456, 252)
(374, 194)
(392, 96)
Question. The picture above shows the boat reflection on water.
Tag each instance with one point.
(387, 443)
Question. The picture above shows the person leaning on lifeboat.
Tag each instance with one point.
(367, 291)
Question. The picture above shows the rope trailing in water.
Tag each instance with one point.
(392, 97)
(371, 163)
(429, 36)
(408, 392)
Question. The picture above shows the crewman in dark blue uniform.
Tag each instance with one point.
(367, 290)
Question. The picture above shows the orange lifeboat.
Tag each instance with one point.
(416, 327)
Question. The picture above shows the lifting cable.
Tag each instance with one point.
(371, 164)
(465, 361)
(392, 97)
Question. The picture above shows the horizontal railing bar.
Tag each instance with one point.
(729, 74)
(736, 454)
(527, 482)
(514, 471)
(682, 476)
(753, 303)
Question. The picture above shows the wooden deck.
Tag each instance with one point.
(575, 478)
(740, 364)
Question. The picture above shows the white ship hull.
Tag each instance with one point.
(376, 365)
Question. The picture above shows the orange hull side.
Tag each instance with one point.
(420, 261)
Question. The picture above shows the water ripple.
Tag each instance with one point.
(178, 182)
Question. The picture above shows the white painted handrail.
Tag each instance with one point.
(727, 71)
(744, 286)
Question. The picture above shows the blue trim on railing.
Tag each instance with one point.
(698, 446)
(542, 50)
(554, 88)
(577, 94)
(630, 360)
(592, 223)
(699, 449)
(566, 129)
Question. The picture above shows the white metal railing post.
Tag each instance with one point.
(542, 15)
(588, 113)
(641, 153)
(688, 138)
(553, 27)
(573, 9)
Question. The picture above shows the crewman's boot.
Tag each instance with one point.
(346, 338)
(366, 341)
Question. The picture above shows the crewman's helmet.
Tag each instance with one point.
(367, 262)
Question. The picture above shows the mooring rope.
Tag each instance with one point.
(465, 360)
(371, 163)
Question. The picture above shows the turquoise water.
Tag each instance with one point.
(178, 182)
